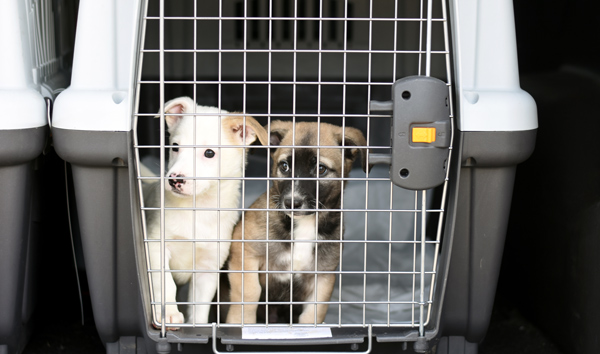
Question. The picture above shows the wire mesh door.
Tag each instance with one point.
(306, 230)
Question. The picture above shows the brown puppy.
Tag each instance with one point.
(309, 186)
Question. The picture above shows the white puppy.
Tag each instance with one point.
(196, 161)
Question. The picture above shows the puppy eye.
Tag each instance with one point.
(174, 149)
(322, 170)
(209, 153)
(284, 167)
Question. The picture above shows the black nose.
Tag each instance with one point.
(174, 182)
(287, 202)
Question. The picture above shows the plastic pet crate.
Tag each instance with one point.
(32, 72)
(431, 85)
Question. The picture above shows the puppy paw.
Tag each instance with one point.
(172, 316)
(234, 315)
(307, 316)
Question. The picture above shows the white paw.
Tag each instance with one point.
(307, 316)
(172, 316)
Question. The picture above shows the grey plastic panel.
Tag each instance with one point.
(91, 148)
(101, 183)
(18, 148)
(456, 345)
(21, 145)
(497, 149)
(483, 204)
(14, 238)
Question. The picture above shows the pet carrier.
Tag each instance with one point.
(31, 74)
(166, 99)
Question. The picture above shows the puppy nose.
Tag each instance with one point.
(287, 202)
(173, 182)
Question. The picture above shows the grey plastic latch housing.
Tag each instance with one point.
(421, 132)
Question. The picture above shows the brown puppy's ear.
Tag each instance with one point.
(177, 106)
(251, 130)
(279, 130)
(354, 137)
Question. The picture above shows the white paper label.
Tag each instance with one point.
(285, 332)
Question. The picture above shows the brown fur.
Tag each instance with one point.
(252, 256)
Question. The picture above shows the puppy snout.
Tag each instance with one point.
(176, 183)
(290, 201)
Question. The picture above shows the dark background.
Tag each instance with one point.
(549, 287)
(550, 266)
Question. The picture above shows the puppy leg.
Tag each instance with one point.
(202, 291)
(324, 289)
(172, 314)
(249, 292)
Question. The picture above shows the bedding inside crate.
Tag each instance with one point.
(386, 288)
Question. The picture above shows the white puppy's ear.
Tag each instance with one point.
(251, 131)
(177, 106)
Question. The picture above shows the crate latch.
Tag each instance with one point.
(420, 133)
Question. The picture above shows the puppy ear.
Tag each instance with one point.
(251, 131)
(177, 106)
(354, 137)
(279, 129)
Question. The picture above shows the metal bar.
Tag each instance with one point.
(448, 163)
(319, 88)
(367, 182)
(294, 97)
(269, 112)
(423, 245)
(335, 147)
(357, 302)
(296, 325)
(194, 215)
(243, 224)
(428, 46)
(420, 37)
(137, 155)
(298, 241)
(315, 51)
(279, 115)
(279, 18)
(344, 88)
(161, 41)
(278, 210)
(372, 179)
(390, 243)
(414, 259)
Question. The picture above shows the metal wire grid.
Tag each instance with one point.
(40, 19)
(422, 276)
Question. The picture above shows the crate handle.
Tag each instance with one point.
(367, 351)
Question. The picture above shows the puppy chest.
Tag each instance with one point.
(298, 255)
(199, 225)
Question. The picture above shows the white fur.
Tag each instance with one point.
(200, 225)
(302, 257)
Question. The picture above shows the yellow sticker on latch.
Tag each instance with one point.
(423, 135)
